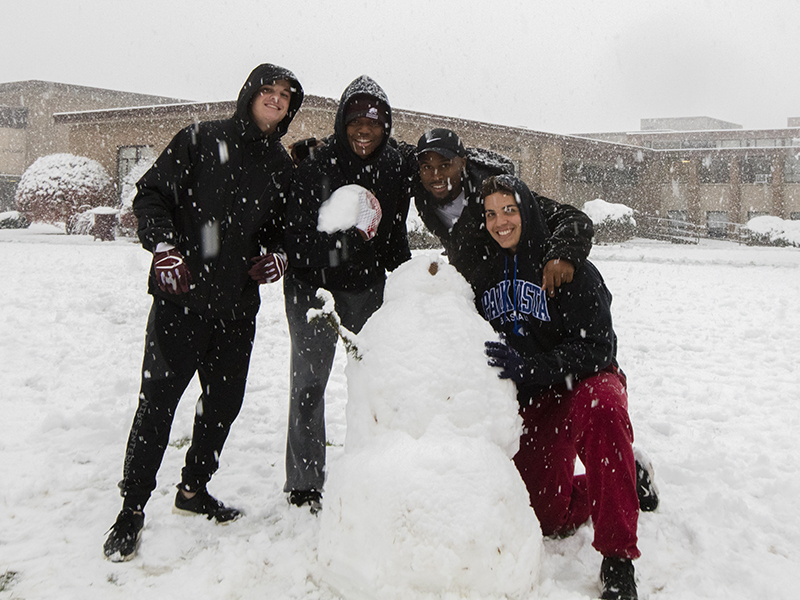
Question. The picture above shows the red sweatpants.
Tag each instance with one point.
(591, 421)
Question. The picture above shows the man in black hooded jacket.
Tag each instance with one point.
(561, 352)
(350, 264)
(208, 208)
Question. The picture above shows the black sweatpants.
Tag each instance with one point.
(178, 344)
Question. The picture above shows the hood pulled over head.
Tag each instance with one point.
(264, 75)
(535, 233)
(363, 98)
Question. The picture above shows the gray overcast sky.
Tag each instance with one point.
(558, 65)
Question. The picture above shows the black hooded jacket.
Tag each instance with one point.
(218, 194)
(343, 260)
(561, 339)
(466, 243)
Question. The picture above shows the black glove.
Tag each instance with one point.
(302, 149)
(509, 360)
(172, 274)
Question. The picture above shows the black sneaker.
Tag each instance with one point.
(617, 579)
(124, 536)
(312, 498)
(203, 503)
(645, 482)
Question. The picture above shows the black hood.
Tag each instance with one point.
(263, 75)
(534, 235)
(362, 86)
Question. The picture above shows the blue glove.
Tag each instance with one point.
(509, 360)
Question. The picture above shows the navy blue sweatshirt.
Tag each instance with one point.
(562, 339)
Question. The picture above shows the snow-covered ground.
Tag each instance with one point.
(709, 338)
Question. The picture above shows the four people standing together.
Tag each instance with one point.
(224, 209)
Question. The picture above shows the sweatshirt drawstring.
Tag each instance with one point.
(514, 287)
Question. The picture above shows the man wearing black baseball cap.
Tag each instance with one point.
(447, 197)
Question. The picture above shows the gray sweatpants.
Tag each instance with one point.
(313, 350)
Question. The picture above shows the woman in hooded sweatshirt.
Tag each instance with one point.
(211, 203)
(561, 353)
(350, 264)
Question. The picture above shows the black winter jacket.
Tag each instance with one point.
(561, 339)
(343, 260)
(217, 193)
(570, 229)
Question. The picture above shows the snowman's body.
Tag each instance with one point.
(425, 502)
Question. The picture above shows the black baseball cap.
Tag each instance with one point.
(441, 141)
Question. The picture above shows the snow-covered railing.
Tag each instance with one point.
(674, 230)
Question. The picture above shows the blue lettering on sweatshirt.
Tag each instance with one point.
(498, 302)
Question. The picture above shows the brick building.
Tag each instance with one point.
(697, 169)
(27, 123)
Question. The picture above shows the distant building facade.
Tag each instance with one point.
(695, 169)
(27, 124)
(716, 176)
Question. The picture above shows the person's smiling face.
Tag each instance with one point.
(503, 220)
(441, 176)
(270, 104)
(364, 135)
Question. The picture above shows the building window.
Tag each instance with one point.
(580, 172)
(665, 145)
(593, 174)
(756, 169)
(794, 216)
(678, 221)
(694, 144)
(717, 223)
(13, 118)
(752, 214)
(128, 156)
(713, 169)
(791, 169)
(8, 188)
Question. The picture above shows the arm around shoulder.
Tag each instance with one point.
(571, 232)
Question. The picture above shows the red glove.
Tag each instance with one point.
(268, 268)
(369, 215)
(172, 275)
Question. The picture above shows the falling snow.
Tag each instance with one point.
(709, 337)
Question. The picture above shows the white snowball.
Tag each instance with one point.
(340, 211)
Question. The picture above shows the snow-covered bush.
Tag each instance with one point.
(418, 235)
(127, 220)
(773, 231)
(612, 222)
(57, 187)
(13, 220)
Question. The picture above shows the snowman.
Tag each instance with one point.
(425, 501)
